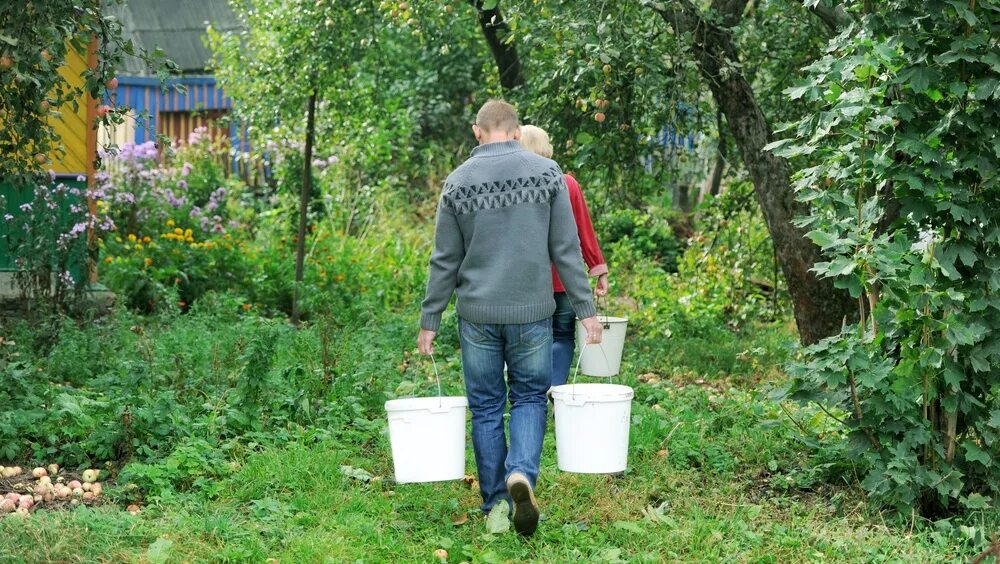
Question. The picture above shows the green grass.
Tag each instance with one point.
(716, 473)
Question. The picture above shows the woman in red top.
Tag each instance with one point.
(564, 320)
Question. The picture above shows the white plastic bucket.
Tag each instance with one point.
(603, 360)
(428, 438)
(592, 427)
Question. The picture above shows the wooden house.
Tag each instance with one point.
(184, 102)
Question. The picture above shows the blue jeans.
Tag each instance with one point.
(527, 350)
(563, 338)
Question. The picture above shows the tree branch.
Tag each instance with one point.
(495, 31)
(835, 17)
(730, 10)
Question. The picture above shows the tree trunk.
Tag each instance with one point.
(819, 307)
(304, 196)
(495, 30)
(713, 184)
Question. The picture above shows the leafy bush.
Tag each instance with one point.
(725, 277)
(905, 206)
(649, 235)
(47, 236)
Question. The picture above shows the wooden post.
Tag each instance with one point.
(91, 142)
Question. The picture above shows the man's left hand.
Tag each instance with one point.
(425, 341)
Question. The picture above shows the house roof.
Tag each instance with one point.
(176, 26)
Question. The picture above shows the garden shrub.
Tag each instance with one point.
(904, 200)
(175, 224)
(647, 233)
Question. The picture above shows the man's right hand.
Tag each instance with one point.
(595, 330)
(425, 341)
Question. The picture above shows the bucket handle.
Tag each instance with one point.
(602, 310)
(580, 361)
(437, 376)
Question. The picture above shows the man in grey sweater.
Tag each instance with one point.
(504, 217)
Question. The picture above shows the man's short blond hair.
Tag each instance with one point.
(497, 115)
(536, 140)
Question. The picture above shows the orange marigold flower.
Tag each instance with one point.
(109, 260)
(148, 261)
(131, 237)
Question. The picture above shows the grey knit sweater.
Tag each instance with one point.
(504, 217)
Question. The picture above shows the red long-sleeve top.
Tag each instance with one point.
(588, 239)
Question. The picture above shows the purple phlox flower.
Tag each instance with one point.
(66, 278)
(7, 217)
(26, 207)
(81, 178)
(182, 184)
(198, 135)
(149, 150)
(102, 177)
(220, 192)
(218, 228)
(319, 163)
(79, 228)
(186, 169)
(233, 224)
(52, 175)
(172, 199)
(332, 160)
(195, 212)
(211, 205)
(125, 198)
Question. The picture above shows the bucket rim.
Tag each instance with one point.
(593, 392)
(425, 403)
(608, 319)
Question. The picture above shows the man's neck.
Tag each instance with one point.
(496, 138)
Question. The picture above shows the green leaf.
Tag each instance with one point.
(995, 419)
(356, 473)
(159, 551)
(953, 376)
(841, 266)
(976, 501)
(967, 255)
(986, 88)
(8, 40)
(796, 92)
(920, 78)
(630, 526)
(976, 454)
(497, 521)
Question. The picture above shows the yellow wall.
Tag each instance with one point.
(71, 126)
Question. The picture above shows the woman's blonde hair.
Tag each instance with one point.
(536, 140)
